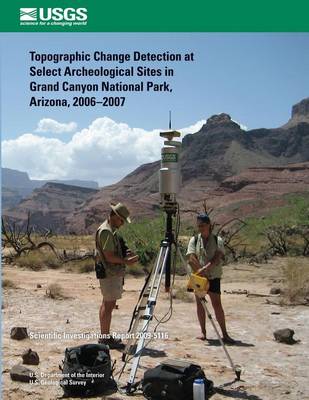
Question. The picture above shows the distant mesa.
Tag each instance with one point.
(16, 185)
(300, 114)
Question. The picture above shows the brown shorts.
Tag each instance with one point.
(112, 288)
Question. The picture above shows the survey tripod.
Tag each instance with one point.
(144, 309)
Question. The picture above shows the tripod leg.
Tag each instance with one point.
(153, 294)
(235, 368)
(139, 308)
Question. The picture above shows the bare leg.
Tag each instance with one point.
(219, 312)
(201, 317)
(105, 315)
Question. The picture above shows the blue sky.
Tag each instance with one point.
(256, 78)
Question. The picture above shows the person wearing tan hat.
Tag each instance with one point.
(113, 257)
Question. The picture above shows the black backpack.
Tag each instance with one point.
(86, 370)
(173, 381)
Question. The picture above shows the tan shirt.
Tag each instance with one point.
(109, 241)
(205, 253)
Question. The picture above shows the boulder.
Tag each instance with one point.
(22, 374)
(30, 357)
(285, 336)
(18, 333)
(275, 290)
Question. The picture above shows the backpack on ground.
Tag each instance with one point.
(173, 381)
(86, 370)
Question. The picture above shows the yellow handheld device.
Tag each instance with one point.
(198, 284)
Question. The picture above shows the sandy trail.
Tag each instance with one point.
(271, 370)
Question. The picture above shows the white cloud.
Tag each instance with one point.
(105, 151)
(53, 126)
(193, 128)
(242, 126)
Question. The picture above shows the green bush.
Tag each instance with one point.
(295, 213)
(145, 235)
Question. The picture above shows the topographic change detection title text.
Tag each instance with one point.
(82, 79)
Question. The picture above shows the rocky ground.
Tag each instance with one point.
(271, 370)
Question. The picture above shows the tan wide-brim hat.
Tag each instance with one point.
(122, 211)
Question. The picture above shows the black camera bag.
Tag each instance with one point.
(173, 381)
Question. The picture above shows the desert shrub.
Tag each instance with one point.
(85, 266)
(38, 260)
(294, 213)
(56, 292)
(144, 238)
(8, 284)
(145, 235)
(296, 280)
(80, 266)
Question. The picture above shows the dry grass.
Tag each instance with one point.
(82, 266)
(70, 242)
(38, 259)
(56, 292)
(181, 293)
(296, 280)
(8, 284)
(135, 270)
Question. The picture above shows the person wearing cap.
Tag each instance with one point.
(204, 254)
(110, 247)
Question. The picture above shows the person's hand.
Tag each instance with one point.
(131, 260)
(203, 271)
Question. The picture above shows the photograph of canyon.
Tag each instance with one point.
(255, 185)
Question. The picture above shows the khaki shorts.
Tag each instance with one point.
(112, 288)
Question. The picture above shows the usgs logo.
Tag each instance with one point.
(53, 14)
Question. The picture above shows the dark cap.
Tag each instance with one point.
(204, 218)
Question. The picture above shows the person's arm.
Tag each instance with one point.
(212, 263)
(194, 262)
(108, 249)
(112, 258)
(191, 255)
